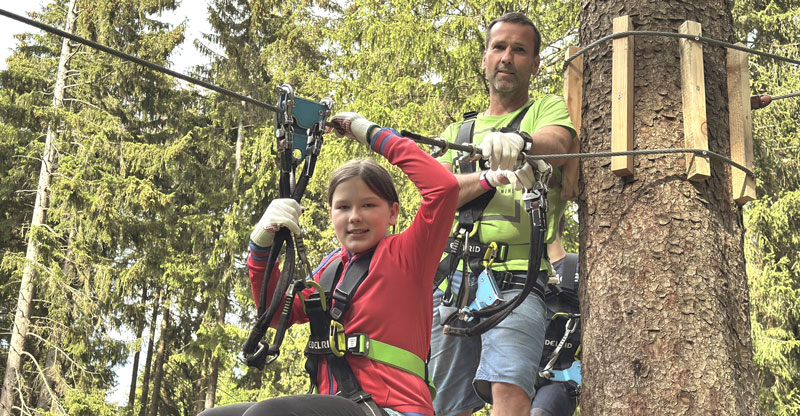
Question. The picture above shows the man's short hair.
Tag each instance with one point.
(520, 19)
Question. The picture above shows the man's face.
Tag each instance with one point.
(509, 60)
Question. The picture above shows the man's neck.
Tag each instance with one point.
(499, 104)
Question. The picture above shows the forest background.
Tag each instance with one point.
(156, 186)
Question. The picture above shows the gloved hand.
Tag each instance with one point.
(281, 212)
(354, 126)
(497, 178)
(502, 149)
(522, 177)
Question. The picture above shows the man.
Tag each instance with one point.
(557, 395)
(502, 362)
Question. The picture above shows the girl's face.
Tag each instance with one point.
(360, 217)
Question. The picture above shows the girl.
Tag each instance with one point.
(391, 308)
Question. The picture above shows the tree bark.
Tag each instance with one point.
(665, 302)
(22, 314)
(158, 372)
(149, 358)
(135, 370)
(213, 375)
(45, 398)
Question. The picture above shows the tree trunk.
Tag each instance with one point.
(45, 398)
(22, 315)
(149, 358)
(135, 370)
(158, 372)
(213, 375)
(665, 299)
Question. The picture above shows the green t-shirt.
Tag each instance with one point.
(505, 220)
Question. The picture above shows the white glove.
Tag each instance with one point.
(502, 149)
(497, 178)
(354, 126)
(522, 177)
(282, 212)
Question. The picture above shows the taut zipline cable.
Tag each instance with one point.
(123, 55)
(432, 141)
(697, 38)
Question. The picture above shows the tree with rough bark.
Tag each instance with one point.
(22, 316)
(666, 326)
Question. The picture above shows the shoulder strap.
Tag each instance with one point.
(517, 121)
(464, 136)
(466, 130)
(570, 277)
(355, 274)
(331, 275)
(469, 213)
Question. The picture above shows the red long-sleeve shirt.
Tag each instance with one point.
(394, 303)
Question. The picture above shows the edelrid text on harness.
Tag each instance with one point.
(560, 357)
(325, 310)
(299, 125)
(489, 308)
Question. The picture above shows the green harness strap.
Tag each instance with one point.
(393, 357)
(336, 342)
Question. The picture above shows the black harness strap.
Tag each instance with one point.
(342, 285)
(468, 216)
(355, 274)
(568, 278)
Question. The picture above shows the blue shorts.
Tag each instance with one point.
(554, 397)
(463, 368)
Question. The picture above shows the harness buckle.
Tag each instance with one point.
(358, 344)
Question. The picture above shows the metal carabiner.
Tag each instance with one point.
(336, 337)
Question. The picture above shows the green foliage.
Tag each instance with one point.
(149, 198)
(771, 243)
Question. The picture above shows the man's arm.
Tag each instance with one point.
(551, 140)
(469, 183)
(547, 140)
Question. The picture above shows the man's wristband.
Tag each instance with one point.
(484, 182)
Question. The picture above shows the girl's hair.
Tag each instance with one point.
(373, 174)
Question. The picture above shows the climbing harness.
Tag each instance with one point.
(560, 358)
(299, 125)
(325, 309)
(465, 318)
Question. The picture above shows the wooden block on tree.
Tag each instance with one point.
(695, 126)
(573, 95)
(741, 125)
(622, 98)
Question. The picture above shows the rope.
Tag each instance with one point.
(697, 38)
(139, 61)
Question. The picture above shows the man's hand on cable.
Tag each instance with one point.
(522, 177)
(502, 149)
(354, 126)
(281, 212)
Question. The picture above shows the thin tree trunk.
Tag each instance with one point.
(664, 294)
(239, 140)
(149, 358)
(45, 398)
(158, 374)
(23, 310)
(213, 376)
(135, 370)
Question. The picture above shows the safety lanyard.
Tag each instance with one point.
(299, 124)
